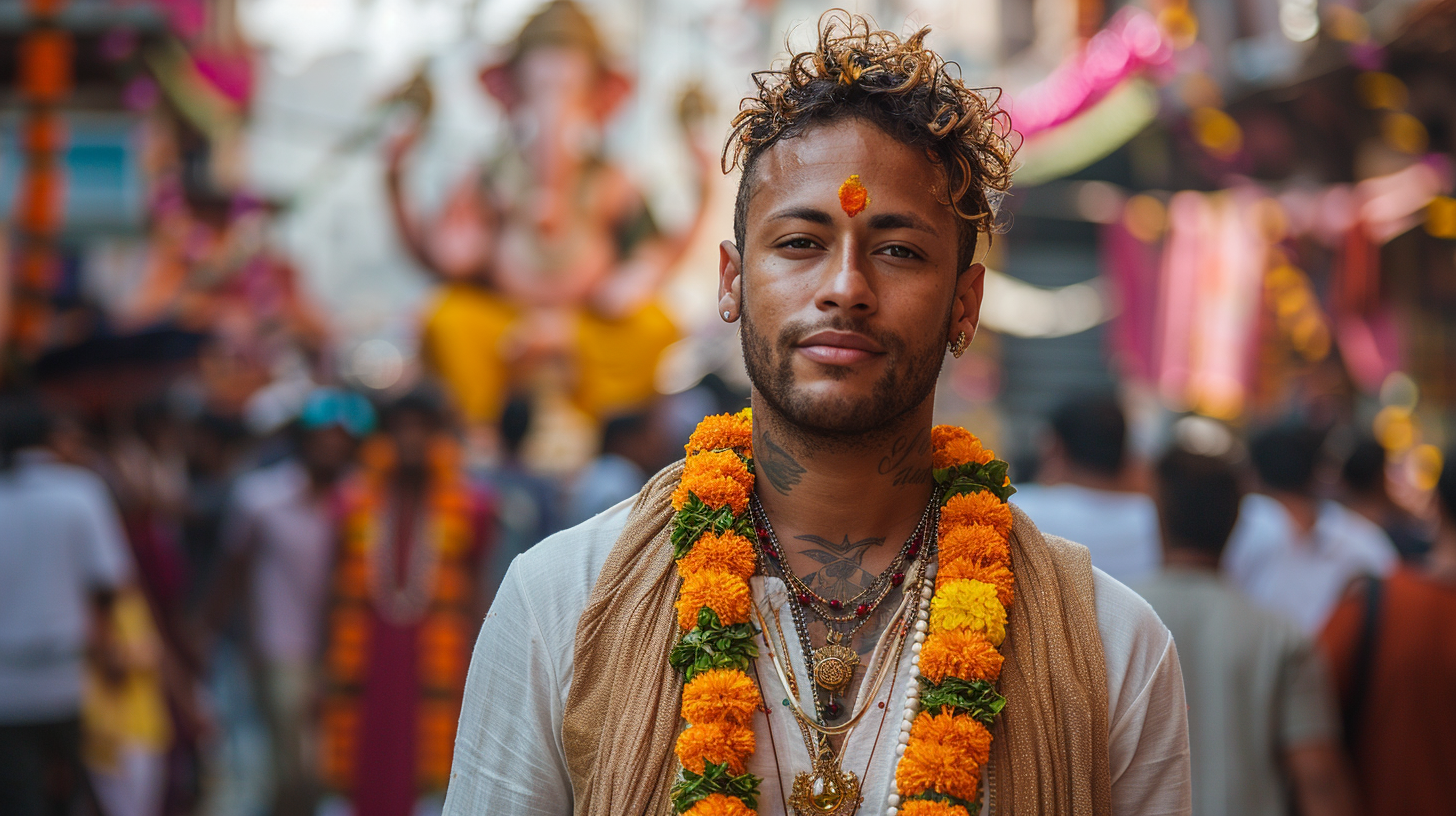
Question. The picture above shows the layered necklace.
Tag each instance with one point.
(953, 625)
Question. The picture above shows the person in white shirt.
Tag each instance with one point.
(63, 558)
(1293, 552)
(1082, 491)
(870, 172)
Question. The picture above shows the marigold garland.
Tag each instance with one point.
(720, 694)
(721, 743)
(729, 552)
(939, 774)
(715, 565)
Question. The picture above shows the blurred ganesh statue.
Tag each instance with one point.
(550, 259)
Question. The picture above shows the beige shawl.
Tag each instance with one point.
(1050, 749)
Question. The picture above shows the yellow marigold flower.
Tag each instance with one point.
(719, 804)
(982, 507)
(974, 541)
(962, 654)
(954, 445)
(729, 552)
(930, 807)
(725, 594)
(995, 574)
(722, 432)
(720, 695)
(970, 605)
(715, 742)
(945, 754)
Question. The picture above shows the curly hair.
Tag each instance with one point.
(901, 87)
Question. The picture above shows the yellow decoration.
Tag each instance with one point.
(971, 606)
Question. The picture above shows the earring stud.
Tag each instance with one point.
(958, 347)
(726, 316)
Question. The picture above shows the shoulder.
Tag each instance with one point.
(1134, 639)
(1356, 533)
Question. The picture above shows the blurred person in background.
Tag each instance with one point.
(62, 561)
(1082, 491)
(1367, 493)
(1392, 645)
(214, 445)
(1262, 732)
(527, 504)
(632, 449)
(1294, 552)
(404, 609)
(278, 544)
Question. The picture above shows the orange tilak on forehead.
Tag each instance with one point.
(853, 196)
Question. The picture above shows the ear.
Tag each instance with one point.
(498, 82)
(730, 282)
(611, 91)
(965, 313)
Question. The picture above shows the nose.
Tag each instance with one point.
(845, 285)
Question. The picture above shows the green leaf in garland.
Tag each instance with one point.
(696, 518)
(977, 698)
(692, 788)
(711, 645)
(973, 478)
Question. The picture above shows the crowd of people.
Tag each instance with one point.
(1314, 616)
(171, 585)
(200, 619)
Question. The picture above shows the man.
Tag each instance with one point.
(1083, 490)
(62, 560)
(1261, 723)
(1292, 552)
(1392, 644)
(868, 173)
(278, 541)
(404, 598)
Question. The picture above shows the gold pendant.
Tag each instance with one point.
(834, 664)
(828, 791)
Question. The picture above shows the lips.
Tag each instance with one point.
(839, 348)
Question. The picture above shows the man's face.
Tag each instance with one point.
(846, 319)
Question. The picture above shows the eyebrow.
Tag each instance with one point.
(878, 221)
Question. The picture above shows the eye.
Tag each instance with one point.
(798, 243)
(897, 251)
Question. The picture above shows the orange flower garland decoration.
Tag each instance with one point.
(715, 558)
(949, 739)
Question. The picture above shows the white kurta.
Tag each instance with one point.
(509, 757)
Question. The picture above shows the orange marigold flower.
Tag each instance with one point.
(945, 754)
(725, 594)
(930, 807)
(718, 478)
(720, 695)
(974, 541)
(729, 552)
(719, 804)
(995, 573)
(982, 507)
(960, 654)
(932, 767)
(722, 432)
(715, 742)
(954, 445)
